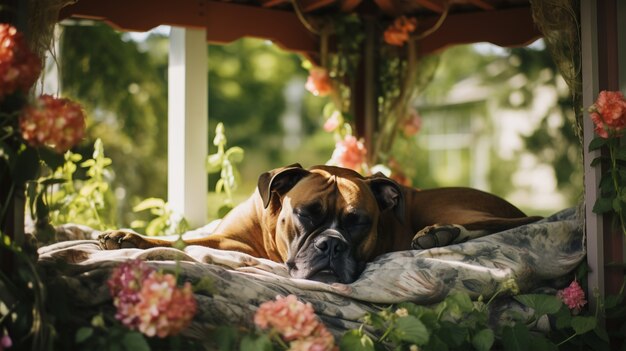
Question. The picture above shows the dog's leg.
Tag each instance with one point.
(124, 239)
(444, 234)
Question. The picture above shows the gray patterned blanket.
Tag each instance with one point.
(535, 255)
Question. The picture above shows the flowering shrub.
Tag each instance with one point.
(53, 122)
(400, 30)
(150, 301)
(296, 323)
(609, 116)
(19, 66)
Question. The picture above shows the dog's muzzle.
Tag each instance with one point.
(326, 257)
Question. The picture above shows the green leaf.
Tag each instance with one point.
(563, 318)
(411, 329)
(235, 154)
(541, 304)
(597, 143)
(541, 343)
(582, 325)
(223, 210)
(355, 340)
(225, 338)
(83, 334)
(516, 338)
(436, 344)
(603, 205)
(483, 340)
(149, 203)
(156, 226)
(617, 205)
(134, 341)
(596, 161)
(214, 163)
(260, 343)
(462, 300)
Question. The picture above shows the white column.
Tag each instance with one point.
(594, 227)
(188, 124)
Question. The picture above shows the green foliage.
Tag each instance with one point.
(225, 161)
(65, 196)
(165, 221)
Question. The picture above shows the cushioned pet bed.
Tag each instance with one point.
(537, 255)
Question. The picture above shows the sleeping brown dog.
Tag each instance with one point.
(326, 223)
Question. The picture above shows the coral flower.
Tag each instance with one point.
(19, 66)
(609, 114)
(150, 301)
(573, 296)
(164, 309)
(53, 122)
(319, 82)
(399, 31)
(296, 322)
(349, 153)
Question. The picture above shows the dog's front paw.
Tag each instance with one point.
(120, 239)
(435, 236)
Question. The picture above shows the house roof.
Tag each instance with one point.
(506, 23)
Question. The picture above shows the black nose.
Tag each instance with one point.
(330, 245)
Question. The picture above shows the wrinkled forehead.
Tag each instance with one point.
(325, 188)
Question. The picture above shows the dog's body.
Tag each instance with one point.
(325, 223)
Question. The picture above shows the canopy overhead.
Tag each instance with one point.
(506, 23)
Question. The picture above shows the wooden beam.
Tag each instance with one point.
(432, 5)
(349, 5)
(506, 28)
(482, 4)
(272, 3)
(224, 22)
(312, 5)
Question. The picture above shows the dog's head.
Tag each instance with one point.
(326, 218)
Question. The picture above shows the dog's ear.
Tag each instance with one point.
(279, 180)
(388, 194)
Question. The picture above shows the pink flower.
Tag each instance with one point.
(296, 322)
(57, 123)
(163, 308)
(399, 31)
(333, 122)
(321, 340)
(412, 124)
(150, 301)
(319, 82)
(573, 296)
(5, 342)
(349, 153)
(609, 114)
(19, 66)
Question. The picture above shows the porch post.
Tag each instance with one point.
(594, 226)
(188, 124)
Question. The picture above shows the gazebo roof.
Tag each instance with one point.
(506, 23)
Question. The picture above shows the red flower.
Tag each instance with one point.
(573, 296)
(19, 66)
(57, 123)
(319, 82)
(349, 153)
(398, 32)
(296, 322)
(609, 114)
